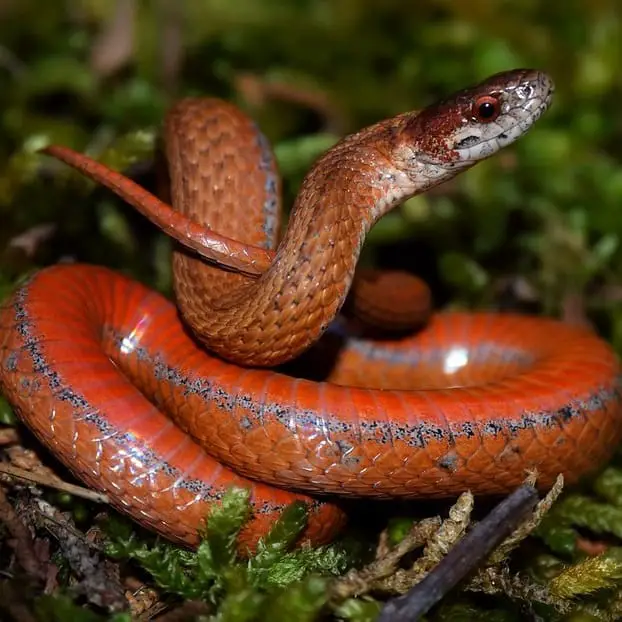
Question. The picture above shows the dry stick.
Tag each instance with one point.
(20, 540)
(114, 45)
(57, 484)
(474, 548)
(96, 579)
(172, 19)
(8, 436)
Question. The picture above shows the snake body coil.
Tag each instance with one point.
(91, 360)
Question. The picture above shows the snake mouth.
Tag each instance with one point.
(523, 102)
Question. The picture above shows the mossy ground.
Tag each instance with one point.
(537, 228)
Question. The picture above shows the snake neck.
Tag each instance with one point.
(277, 317)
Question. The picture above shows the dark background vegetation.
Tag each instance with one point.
(537, 228)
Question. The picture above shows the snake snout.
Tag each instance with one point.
(513, 100)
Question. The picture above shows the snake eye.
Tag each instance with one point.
(486, 109)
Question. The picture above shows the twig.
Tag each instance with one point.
(144, 600)
(114, 46)
(30, 240)
(357, 582)
(450, 532)
(503, 551)
(498, 580)
(573, 309)
(256, 90)
(171, 17)
(475, 547)
(52, 482)
(97, 579)
(8, 436)
(21, 541)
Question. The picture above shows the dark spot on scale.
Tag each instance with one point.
(344, 446)
(492, 428)
(448, 462)
(502, 136)
(567, 413)
(11, 362)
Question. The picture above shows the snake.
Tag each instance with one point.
(165, 405)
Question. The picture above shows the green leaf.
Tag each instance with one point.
(359, 610)
(300, 602)
(60, 608)
(586, 512)
(463, 272)
(590, 575)
(609, 485)
(294, 156)
(298, 564)
(283, 534)
(7, 416)
(223, 526)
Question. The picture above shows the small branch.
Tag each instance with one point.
(171, 17)
(8, 436)
(114, 46)
(98, 579)
(52, 482)
(30, 240)
(358, 582)
(21, 541)
(474, 548)
(257, 90)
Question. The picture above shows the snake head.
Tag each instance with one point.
(473, 124)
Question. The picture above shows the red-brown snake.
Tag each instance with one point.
(91, 360)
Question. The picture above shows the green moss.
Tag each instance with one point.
(544, 216)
